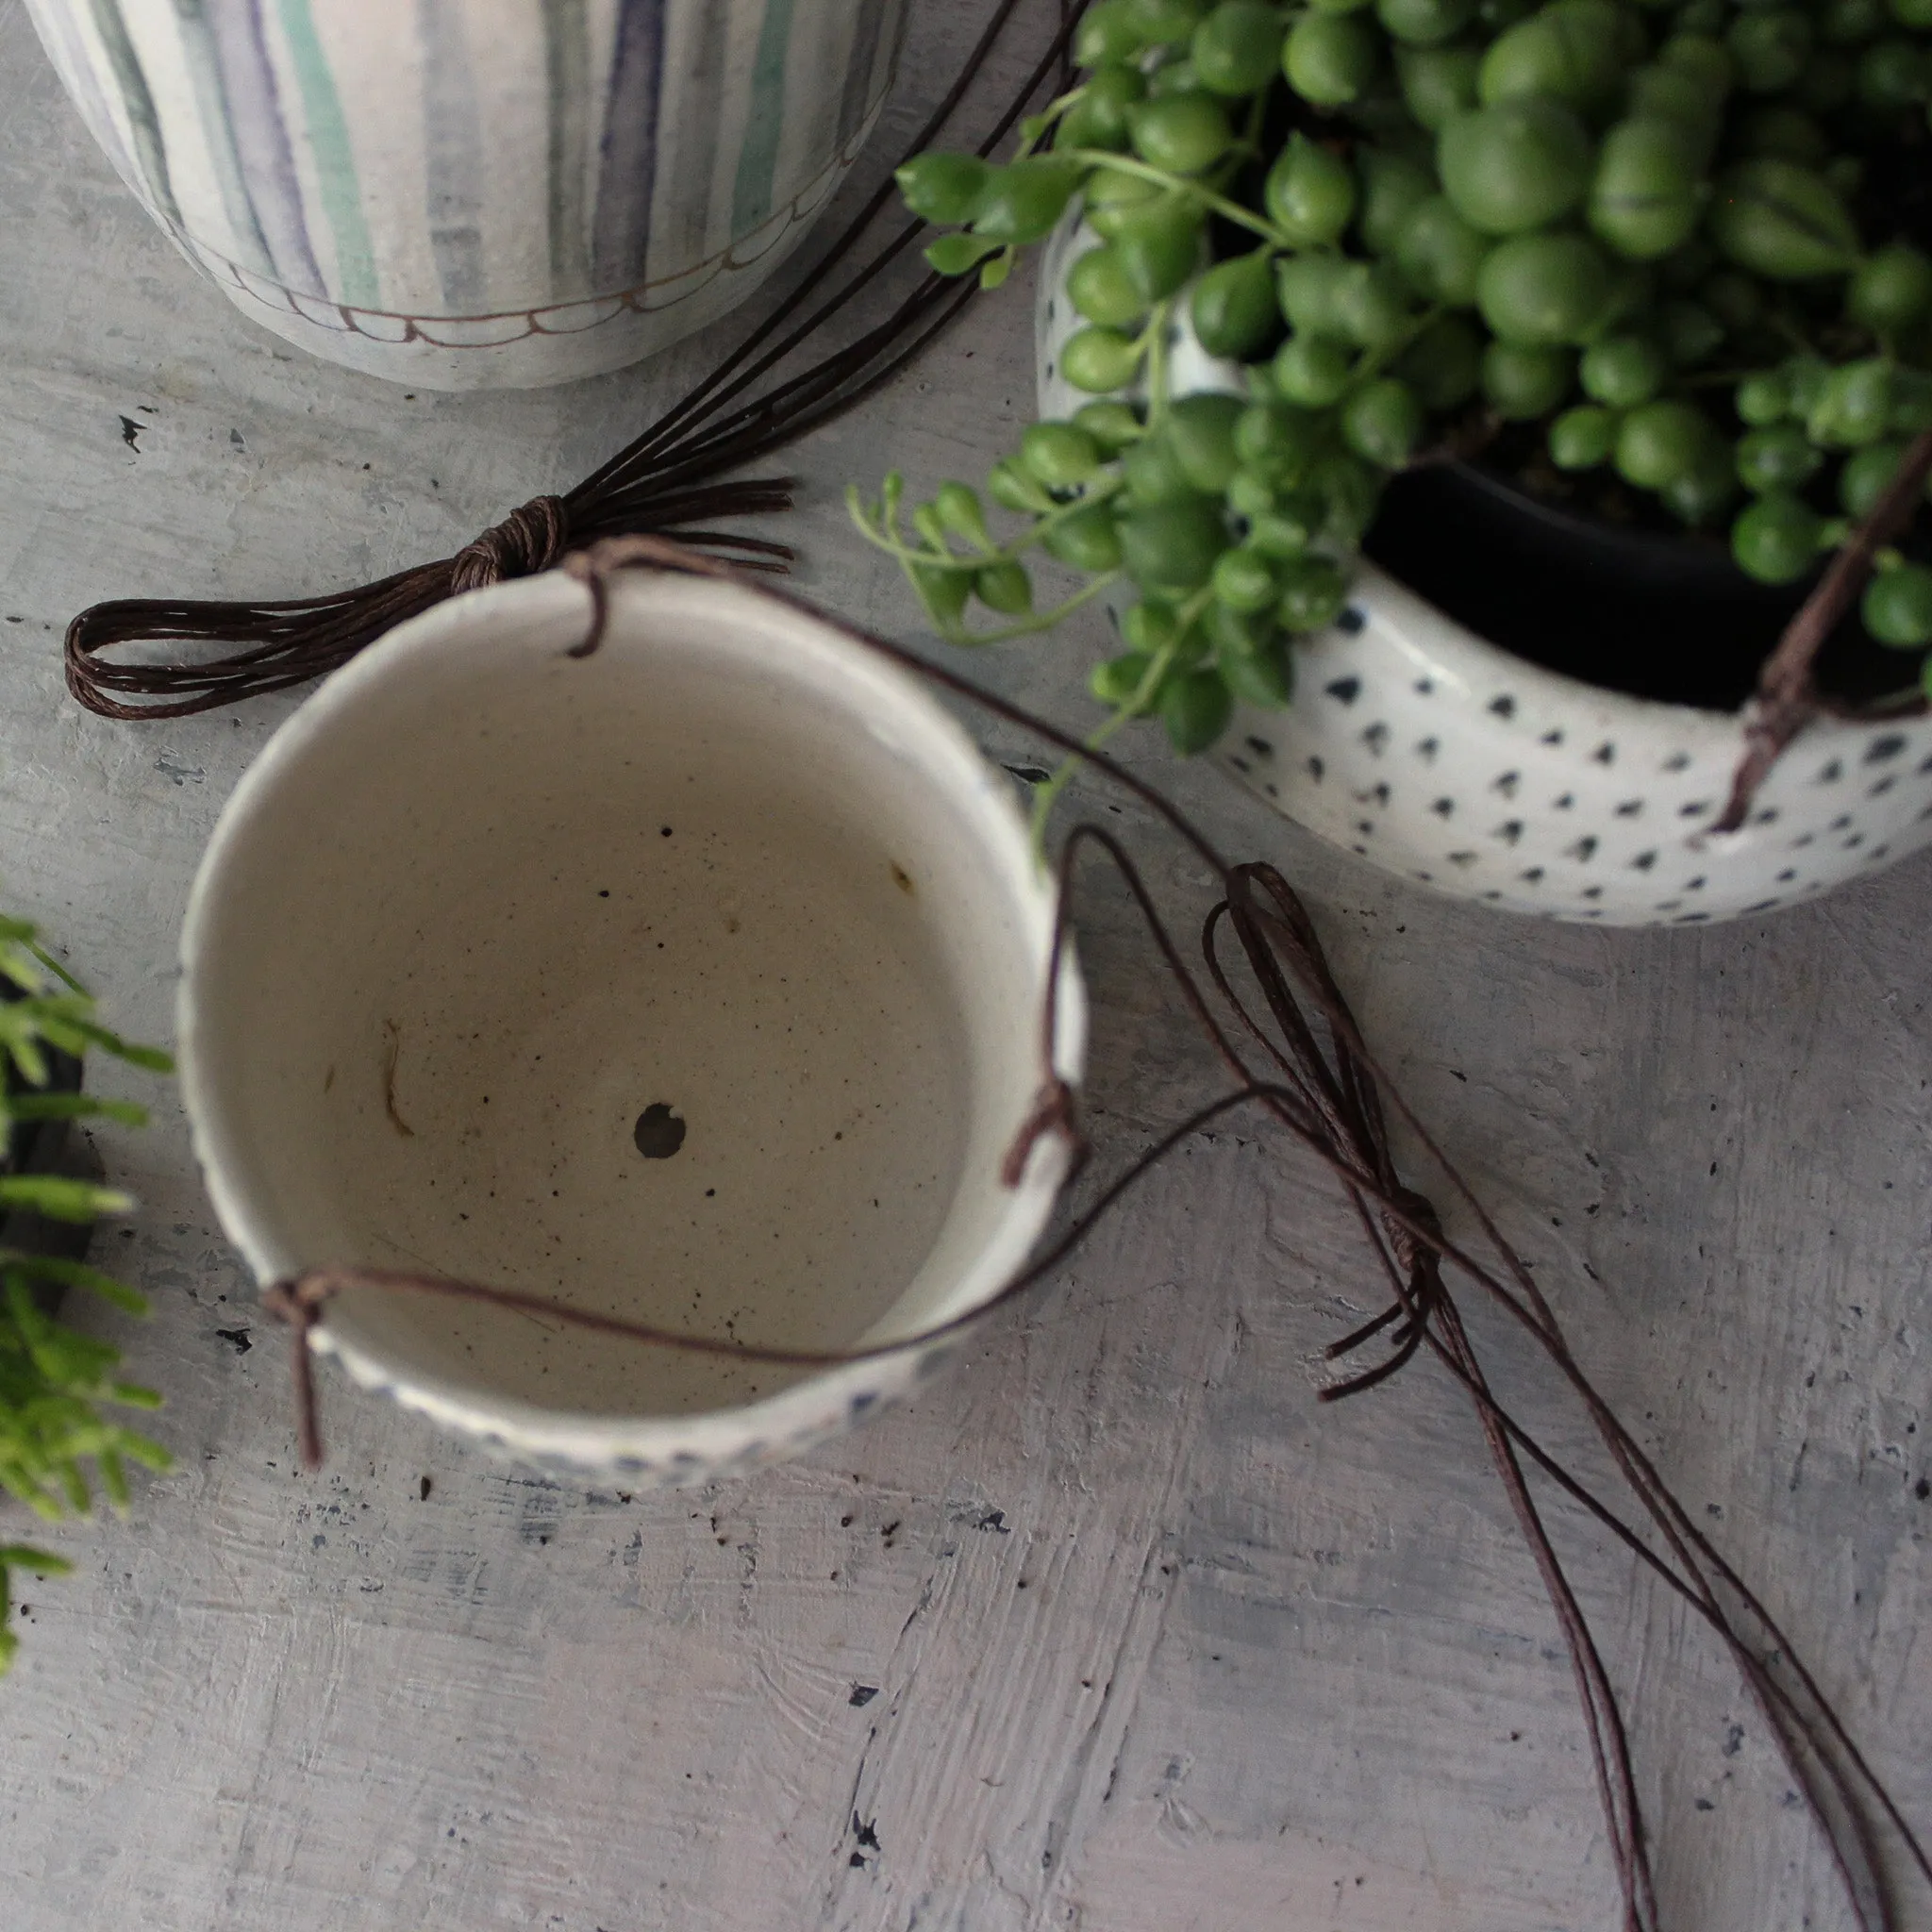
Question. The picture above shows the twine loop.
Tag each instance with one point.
(814, 356)
(530, 539)
(1418, 1211)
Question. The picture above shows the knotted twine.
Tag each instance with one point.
(665, 480)
(1318, 1082)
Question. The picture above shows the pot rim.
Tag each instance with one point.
(1486, 663)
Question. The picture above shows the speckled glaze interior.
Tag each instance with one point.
(694, 981)
(1421, 748)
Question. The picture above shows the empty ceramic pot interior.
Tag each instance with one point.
(692, 980)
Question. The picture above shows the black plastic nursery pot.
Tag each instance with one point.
(1653, 613)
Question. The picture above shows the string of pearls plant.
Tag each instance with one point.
(1677, 236)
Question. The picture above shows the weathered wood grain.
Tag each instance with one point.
(1115, 1629)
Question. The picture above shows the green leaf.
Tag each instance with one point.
(52, 964)
(43, 1503)
(56, 1029)
(36, 1563)
(151, 1057)
(75, 1107)
(18, 962)
(78, 1274)
(150, 1454)
(59, 1198)
(114, 1479)
(997, 270)
(925, 520)
(25, 1053)
(955, 255)
(71, 1363)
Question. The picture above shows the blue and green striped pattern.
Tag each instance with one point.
(472, 158)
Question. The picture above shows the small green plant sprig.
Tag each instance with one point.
(1659, 230)
(53, 1380)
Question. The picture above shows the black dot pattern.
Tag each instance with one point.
(1494, 780)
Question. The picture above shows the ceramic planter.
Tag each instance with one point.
(1421, 748)
(479, 193)
(694, 981)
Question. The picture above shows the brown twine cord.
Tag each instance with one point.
(1788, 697)
(663, 481)
(1326, 1090)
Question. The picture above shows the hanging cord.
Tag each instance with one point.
(1325, 1091)
(664, 481)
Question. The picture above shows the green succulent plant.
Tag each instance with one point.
(1672, 234)
(57, 1384)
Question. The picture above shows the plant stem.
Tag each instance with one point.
(1787, 694)
(1180, 184)
(1035, 622)
(1134, 706)
(1049, 793)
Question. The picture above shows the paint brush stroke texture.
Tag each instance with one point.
(457, 158)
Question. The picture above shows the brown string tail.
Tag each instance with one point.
(299, 1303)
(1787, 697)
(1330, 1097)
(673, 480)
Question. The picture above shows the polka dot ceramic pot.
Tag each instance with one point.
(1419, 746)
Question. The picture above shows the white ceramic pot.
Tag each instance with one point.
(1421, 748)
(693, 981)
(479, 193)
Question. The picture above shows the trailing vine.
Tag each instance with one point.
(1677, 236)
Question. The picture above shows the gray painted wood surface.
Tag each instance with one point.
(1115, 1628)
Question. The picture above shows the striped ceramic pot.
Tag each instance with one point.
(479, 193)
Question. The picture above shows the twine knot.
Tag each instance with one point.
(1421, 1211)
(529, 539)
(1053, 1113)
